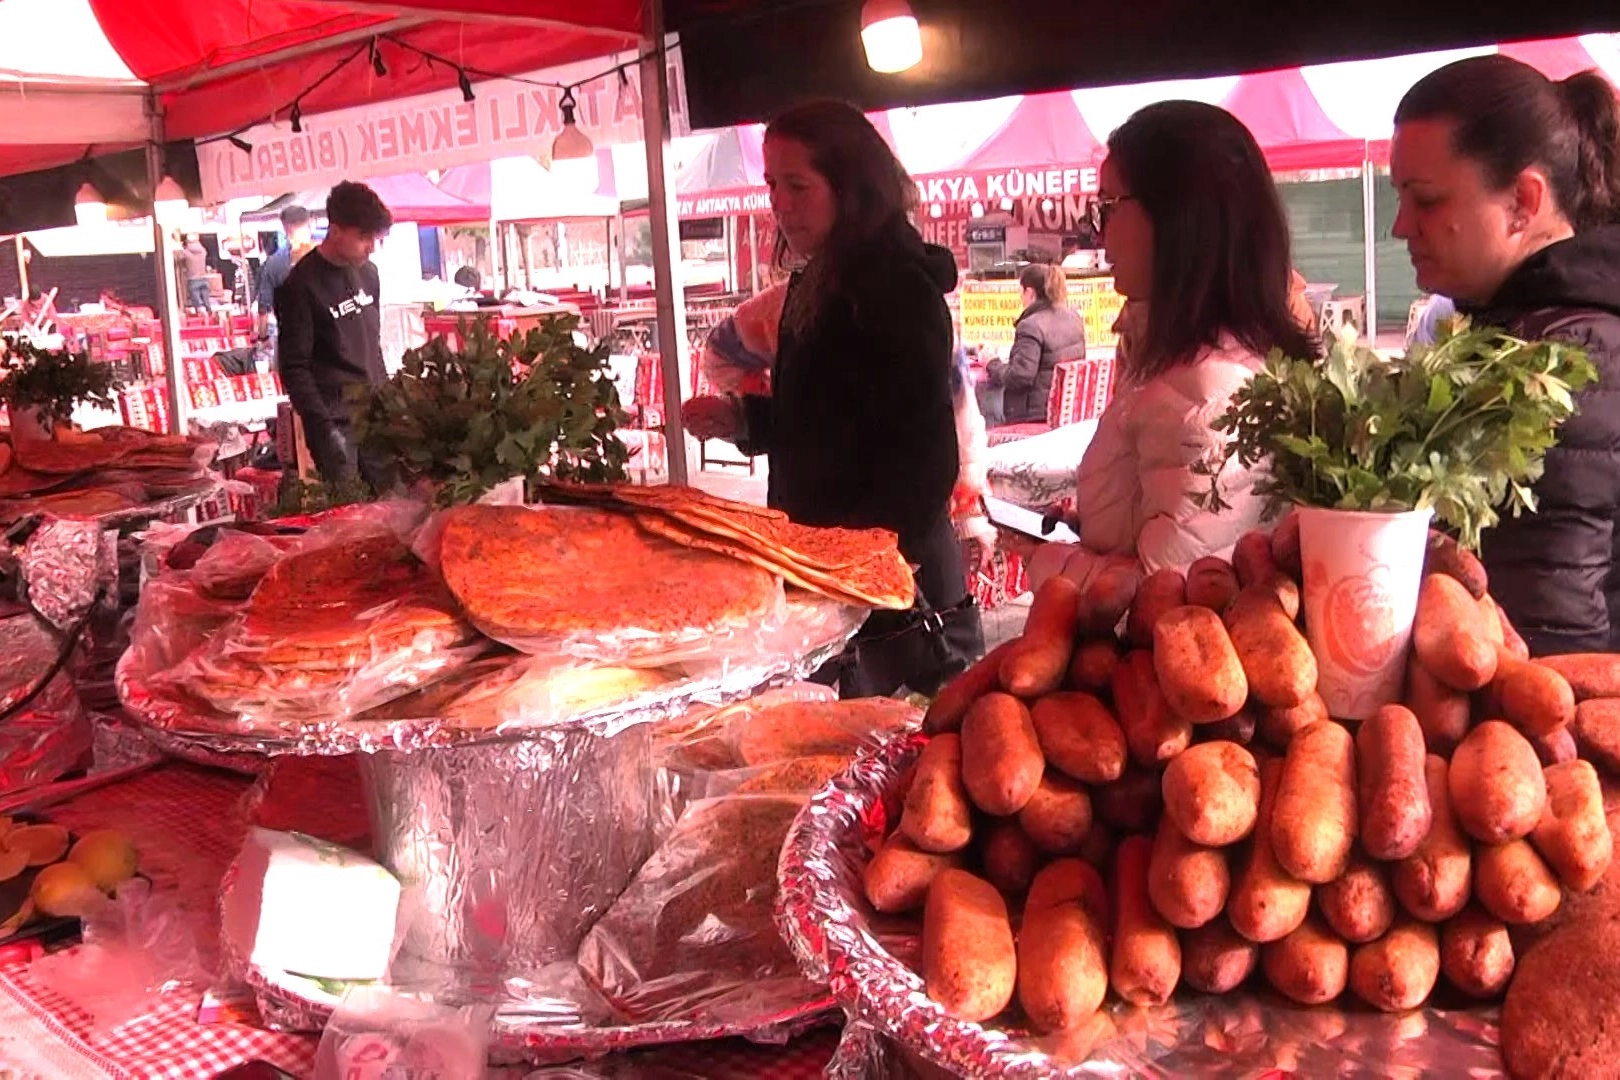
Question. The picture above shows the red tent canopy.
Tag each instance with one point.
(1045, 129)
(1289, 124)
(224, 64)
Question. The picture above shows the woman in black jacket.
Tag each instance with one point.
(1510, 204)
(859, 427)
(1048, 333)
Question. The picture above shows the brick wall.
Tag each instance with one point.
(79, 279)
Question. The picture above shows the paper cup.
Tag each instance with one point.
(1363, 571)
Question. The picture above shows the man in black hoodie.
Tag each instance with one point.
(330, 332)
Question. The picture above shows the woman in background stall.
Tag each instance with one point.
(1047, 333)
(1509, 189)
(1198, 241)
(859, 424)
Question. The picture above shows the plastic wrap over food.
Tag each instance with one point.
(66, 565)
(475, 699)
(823, 914)
(692, 935)
(804, 723)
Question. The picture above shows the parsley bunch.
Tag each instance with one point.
(1462, 427)
(467, 419)
(54, 381)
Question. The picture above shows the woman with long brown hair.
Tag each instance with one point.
(1509, 190)
(859, 426)
(1198, 241)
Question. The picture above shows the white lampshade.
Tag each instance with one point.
(891, 35)
(89, 208)
(169, 201)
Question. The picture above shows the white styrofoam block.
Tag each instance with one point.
(306, 907)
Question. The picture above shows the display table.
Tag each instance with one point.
(188, 823)
(1039, 471)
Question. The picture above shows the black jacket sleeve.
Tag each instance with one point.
(906, 420)
(756, 434)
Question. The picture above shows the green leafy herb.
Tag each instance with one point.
(54, 381)
(465, 420)
(1462, 427)
(297, 497)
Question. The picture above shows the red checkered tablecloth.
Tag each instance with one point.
(188, 823)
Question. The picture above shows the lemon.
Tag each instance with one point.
(107, 856)
(13, 861)
(64, 889)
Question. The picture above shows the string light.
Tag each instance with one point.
(465, 83)
(297, 118)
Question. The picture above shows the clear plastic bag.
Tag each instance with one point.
(379, 1032)
(801, 721)
(692, 938)
(137, 947)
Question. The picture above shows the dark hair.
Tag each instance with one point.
(355, 206)
(871, 188)
(1220, 238)
(294, 216)
(1047, 281)
(1509, 117)
(468, 277)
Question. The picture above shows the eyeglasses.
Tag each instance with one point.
(1105, 205)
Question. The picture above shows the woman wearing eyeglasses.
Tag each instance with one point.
(1198, 241)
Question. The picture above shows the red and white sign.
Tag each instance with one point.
(433, 131)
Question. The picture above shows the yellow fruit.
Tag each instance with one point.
(64, 889)
(12, 862)
(43, 843)
(107, 856)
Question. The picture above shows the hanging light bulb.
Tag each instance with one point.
(890, 33)
(377, 64)
(465, 83)
(573, 155)
(169, 201)
(297, 118)
(89, 208)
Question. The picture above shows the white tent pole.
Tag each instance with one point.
(163, 261)
(497, 258)
(1369, 219)
(624, 266)
(666, 243)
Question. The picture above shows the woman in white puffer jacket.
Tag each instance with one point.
(1199, 245)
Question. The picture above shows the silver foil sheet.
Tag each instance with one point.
(66, 565)
(897, 1030)
(50, 735)
(512, 849)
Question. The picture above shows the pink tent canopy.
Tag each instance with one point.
(1289, 124)
(413, 197)
(1043, 129)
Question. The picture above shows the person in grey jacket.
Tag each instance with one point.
(1048, 333)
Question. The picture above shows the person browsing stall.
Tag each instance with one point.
(1199, 244)
(859, 424)
(330, 331)
(1509, 189)
(295, 222)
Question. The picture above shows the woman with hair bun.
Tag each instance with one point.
(1509, 189)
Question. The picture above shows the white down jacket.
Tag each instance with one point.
(1138, 485)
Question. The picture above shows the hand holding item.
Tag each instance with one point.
(712, 418)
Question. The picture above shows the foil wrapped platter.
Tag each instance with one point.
(871, 964)
(809, 632)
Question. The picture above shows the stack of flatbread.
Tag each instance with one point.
(856, 566)
(93, 473)
(591, 584)
(344, 626)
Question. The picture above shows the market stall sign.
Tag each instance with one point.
(990, 310)
(433, 131)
